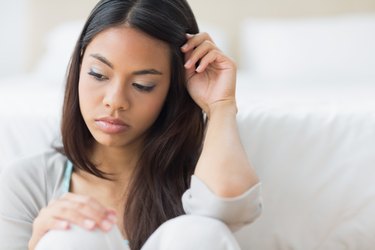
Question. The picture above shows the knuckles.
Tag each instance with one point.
(206, 35)
(209, 44)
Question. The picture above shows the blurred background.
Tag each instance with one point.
(26, 24)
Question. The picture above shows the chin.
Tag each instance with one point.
(114, 141)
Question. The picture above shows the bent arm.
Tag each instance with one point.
(223, 165)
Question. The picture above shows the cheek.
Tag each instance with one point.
(86, 91)
(156, 108)
(83, 83)
(152, 108)
(85, 96)
(82, 95)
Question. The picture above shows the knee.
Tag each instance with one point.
(195, 232)
(196, 225)
(79, 238)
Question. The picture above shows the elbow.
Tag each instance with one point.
(234, 188)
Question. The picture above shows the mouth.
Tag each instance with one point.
(111, 125)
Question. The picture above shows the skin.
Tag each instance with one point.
(113, 90)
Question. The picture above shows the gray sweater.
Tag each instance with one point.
(29, 184)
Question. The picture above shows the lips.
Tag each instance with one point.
(111, 125)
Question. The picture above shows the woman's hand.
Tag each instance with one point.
(213, 81)
(71, 209)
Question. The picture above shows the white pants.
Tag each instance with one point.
(186, 232)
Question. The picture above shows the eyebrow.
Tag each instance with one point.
(147, 72)
(138, 72)
(102, 59)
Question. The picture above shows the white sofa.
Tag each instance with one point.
(306, 97)
(307, 117)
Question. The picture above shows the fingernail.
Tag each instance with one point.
(199, 69)
(63, 224)
(112, 218)
(185, 46)
(106, 225)
(187, 64)
(89, 224)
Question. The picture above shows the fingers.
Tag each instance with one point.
(209, 58)
(195, 40)
(80, 210)
(58, 224)
(86, 205)
(201, 50)
(83, 211)
(71, 209)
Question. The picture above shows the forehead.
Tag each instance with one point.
(125, 45)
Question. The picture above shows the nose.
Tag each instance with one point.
(116, 98)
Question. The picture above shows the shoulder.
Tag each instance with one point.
(30, 182)
(34, 169)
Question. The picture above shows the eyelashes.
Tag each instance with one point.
(97, 75)
(140, 87)
(143, 88)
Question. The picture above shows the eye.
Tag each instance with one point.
(143, 88)
(97, 75)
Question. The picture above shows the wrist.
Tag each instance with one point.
(220, 108)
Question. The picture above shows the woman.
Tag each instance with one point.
(133, 135)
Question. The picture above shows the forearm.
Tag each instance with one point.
(223, 164)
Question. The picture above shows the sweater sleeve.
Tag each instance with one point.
(236, 212)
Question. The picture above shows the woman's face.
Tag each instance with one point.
(124, 81)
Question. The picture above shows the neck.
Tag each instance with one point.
(119, 162)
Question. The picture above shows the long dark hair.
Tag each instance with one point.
(173, 143)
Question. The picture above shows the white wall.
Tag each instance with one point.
(13, 43)
(228, 14)
(24, 23)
